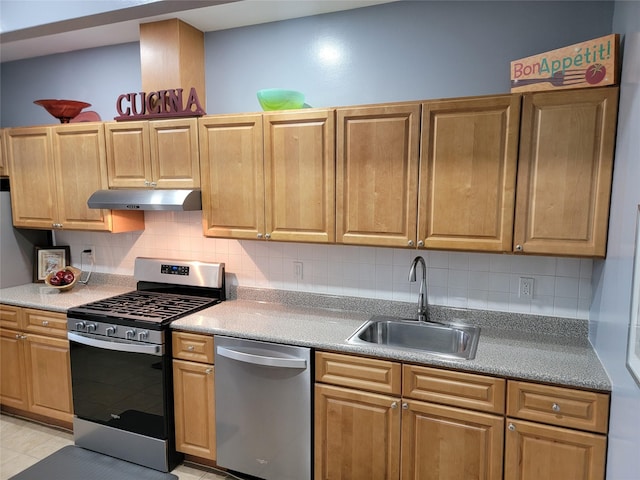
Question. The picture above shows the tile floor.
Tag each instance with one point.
(23, 443)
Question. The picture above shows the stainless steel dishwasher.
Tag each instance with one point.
(263, 408)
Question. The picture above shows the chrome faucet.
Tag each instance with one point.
(423, 303)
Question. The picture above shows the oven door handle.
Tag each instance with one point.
(118, 346)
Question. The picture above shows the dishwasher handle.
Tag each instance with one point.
(299, 363)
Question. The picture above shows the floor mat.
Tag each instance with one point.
(75, 463)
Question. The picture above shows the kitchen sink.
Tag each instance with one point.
(451, 341)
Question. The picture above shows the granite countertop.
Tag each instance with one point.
(543, 349)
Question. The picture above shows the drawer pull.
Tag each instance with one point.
(555, 407)
(191, 348)
(45, 323)
(512, 427)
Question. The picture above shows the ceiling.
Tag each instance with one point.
(122, 25)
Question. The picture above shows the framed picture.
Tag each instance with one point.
(49, 259)
(633, 347)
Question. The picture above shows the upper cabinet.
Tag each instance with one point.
(54, 171)
(468, 173)
(269, 176)
(155, 154)
(4, 171)
(565, 172)
(377, 174)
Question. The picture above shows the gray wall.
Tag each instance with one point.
(397, 51)
(610, 311)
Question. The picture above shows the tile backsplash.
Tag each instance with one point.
(562, 286)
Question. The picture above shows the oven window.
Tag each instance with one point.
(121, 389)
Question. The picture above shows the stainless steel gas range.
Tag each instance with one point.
(121, 360)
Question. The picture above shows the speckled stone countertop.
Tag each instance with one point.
(528, 347)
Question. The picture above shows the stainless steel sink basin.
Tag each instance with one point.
(451, 341)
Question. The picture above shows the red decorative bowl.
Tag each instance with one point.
(63, 110)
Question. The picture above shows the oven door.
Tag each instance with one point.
(121, 385)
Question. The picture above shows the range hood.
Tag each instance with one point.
(146, 199)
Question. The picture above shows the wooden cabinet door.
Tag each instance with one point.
(175, 158)
(232, 175)
(446, 443)
(33, 188)
(357, 435)
(80, 163)
(377, 175)
(469, 157)
(194, 403)
(553, 453)
(299, 174)
(48, 369)
(565, 171)
(13, 382)
(128, 154)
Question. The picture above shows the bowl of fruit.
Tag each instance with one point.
(63, 279)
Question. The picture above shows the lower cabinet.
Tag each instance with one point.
(555, 433)
(365, 435)
(35, 373)
(378, 419)
(193, 390)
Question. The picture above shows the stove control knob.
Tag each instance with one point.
(111, 330)
(91, 327)
(130, 334)
(143, 335)
(81, 325)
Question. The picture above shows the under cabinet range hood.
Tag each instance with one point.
(181, 200)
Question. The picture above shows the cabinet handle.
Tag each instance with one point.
(394, 405)
(208, 371)
(18, 336)
(405, 406)
(259, 235)
(45, 323)
(555, 407)
(410, 243)
(420, 243)
(512, 427)
(154, 184)
(146, 183)
(518, 248)
(191, 348)
(267, 236)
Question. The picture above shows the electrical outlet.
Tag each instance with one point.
(526, 287)
(297, 270)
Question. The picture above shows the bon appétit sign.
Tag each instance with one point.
(593, 63)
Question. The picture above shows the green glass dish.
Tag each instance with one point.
(279, 99)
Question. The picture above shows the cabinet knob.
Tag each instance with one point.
(209, 371)
(154, 184)
(57, 225)
(394, 405)
(420, 243)
(267, 236)
(45, 323)
(405, 406)
(512, 427)
(518, 248)
(410, 243)
(259, 235)
(555, 407)
(146, 183)
(191, 348)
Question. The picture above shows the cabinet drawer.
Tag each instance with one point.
(467, 390)
(48, 323)
(193, 346)
(358, 372)
(561, 406)
(10, 317)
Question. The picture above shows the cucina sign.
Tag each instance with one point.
(160, 104)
